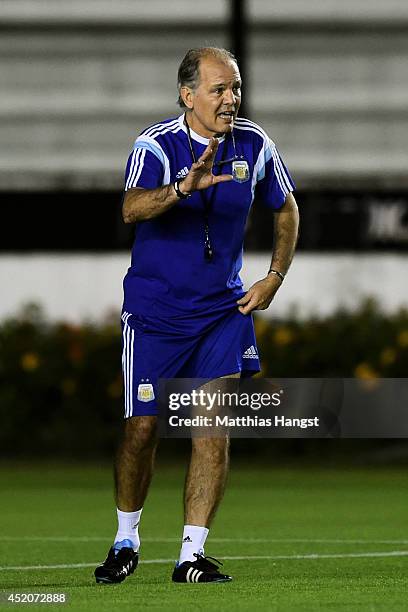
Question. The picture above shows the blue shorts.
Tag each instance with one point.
(151, 352)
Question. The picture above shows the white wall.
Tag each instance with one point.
(75, 287)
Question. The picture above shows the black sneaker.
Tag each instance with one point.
(201, 570)
(118, 564)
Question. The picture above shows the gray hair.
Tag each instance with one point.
(189, 70)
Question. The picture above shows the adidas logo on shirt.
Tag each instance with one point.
(182, 173)
(250, 353)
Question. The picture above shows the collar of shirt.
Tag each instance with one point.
(194, 134)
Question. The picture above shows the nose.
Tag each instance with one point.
(229, 97)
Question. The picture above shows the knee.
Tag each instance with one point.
(141, 433)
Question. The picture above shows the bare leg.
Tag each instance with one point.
(134, 462)
(206, 476)
(205, 481)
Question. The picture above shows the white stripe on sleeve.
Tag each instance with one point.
(278, 172)
(132, 163)
(281, 170)
(139, 170)
(136, 155)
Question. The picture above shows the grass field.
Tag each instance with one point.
(293, 539)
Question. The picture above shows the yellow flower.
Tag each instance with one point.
(388, 356)
(402, 338)
(30, 362)
(364, 370)
(283, 336)
(367, 375)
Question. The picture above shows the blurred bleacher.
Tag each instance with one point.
(79, 80)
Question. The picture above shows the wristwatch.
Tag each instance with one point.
(180, 194)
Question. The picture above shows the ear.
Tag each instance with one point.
(187, 95)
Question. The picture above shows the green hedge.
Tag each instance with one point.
(61, 384)
(364, 344)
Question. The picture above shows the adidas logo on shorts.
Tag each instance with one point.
(250, 353)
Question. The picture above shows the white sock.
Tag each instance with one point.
(193, 541)
(128, 527)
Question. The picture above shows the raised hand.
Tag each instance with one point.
(200, 175)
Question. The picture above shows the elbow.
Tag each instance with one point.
(129, 214)
(125, 209)
(127, 217)
(132, 211)
(132, 216)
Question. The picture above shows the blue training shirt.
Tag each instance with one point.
(169, 276)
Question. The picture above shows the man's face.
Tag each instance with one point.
(215, 102)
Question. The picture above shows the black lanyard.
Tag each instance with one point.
(207, 202)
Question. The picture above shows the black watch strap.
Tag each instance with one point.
(273, 271)
(180, 194)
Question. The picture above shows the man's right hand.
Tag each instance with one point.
(143, 204)
(200, 175)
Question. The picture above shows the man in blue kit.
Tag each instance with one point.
(190, 182)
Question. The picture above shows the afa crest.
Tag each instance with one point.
(240, 171)
(145, 392)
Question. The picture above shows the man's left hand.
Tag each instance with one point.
(260, 295)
